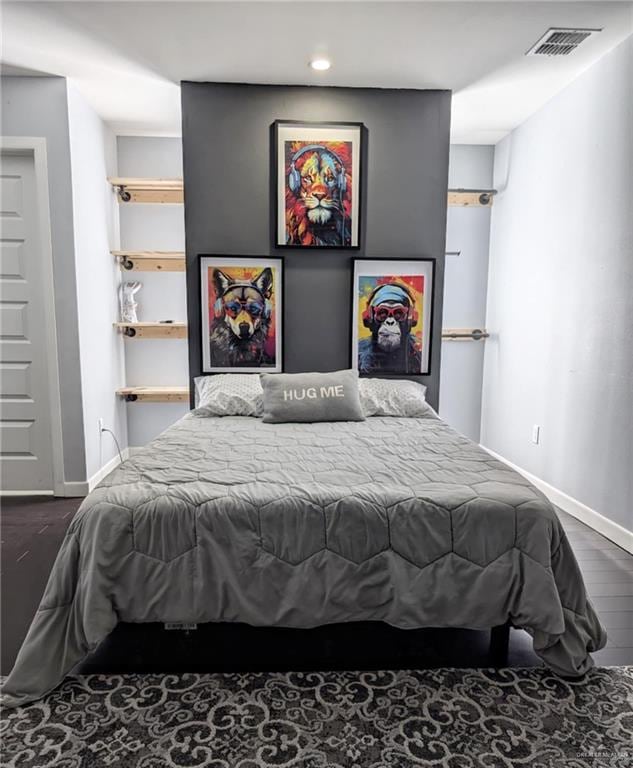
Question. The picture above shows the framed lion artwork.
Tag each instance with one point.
(318, 167)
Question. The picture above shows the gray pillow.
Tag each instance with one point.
(394, 397)
(311, 397)
(228, 394)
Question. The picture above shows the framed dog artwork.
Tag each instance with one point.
(392, 313)
(317, 182)
(241, 306)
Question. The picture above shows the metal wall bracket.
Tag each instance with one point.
(124, 195)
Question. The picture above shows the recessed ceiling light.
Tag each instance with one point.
(320, 64)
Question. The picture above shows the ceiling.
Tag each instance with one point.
(127, 58)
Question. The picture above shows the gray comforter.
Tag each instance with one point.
(296, 525)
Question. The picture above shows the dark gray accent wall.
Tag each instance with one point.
(229, 202)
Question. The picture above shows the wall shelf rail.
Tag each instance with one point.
(133, 190)
(154, 394)
(473, 198)
(153, 330)
(150, 261)
(464, 334)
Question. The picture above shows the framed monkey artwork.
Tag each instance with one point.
(392, 311)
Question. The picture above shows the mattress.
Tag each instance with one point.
(295, 525)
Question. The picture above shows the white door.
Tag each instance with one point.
(26, 460)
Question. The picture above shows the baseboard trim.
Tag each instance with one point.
(106, 469)
(78, 488)
(72, 489)
(27, 493)
(599, 523)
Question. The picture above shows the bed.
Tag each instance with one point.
(400, 520)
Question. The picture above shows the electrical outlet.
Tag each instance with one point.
(536, 434)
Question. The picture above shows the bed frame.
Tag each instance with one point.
(147, 648)
(499, 644)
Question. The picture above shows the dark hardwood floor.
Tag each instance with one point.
(32, 530)
(608, 573)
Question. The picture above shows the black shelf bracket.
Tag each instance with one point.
(124, 195)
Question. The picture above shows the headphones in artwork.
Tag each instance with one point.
(294, 177)
(397, 293)
(237, 296)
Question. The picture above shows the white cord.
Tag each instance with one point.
(105, 429)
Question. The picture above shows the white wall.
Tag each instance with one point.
(560, 294)
(96, 232)
(85, 224)
(465, 288)
(163, 295)
(37, 106)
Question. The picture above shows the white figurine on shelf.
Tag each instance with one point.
(128, 304)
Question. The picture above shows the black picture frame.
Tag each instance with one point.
(238, 260)
(353, 342)
(358, 186)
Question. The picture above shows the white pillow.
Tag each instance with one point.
(393, 397)
(229, 394)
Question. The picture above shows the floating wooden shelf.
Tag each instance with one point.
(155, 394)
(153, 330)
(464, 334)
(150, 261)
(148, 190)
(132, 190)
(481, 198)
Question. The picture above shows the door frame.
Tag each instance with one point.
(35, 147)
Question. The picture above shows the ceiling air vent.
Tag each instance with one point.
(558, 41)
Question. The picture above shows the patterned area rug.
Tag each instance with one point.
(457, 718)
